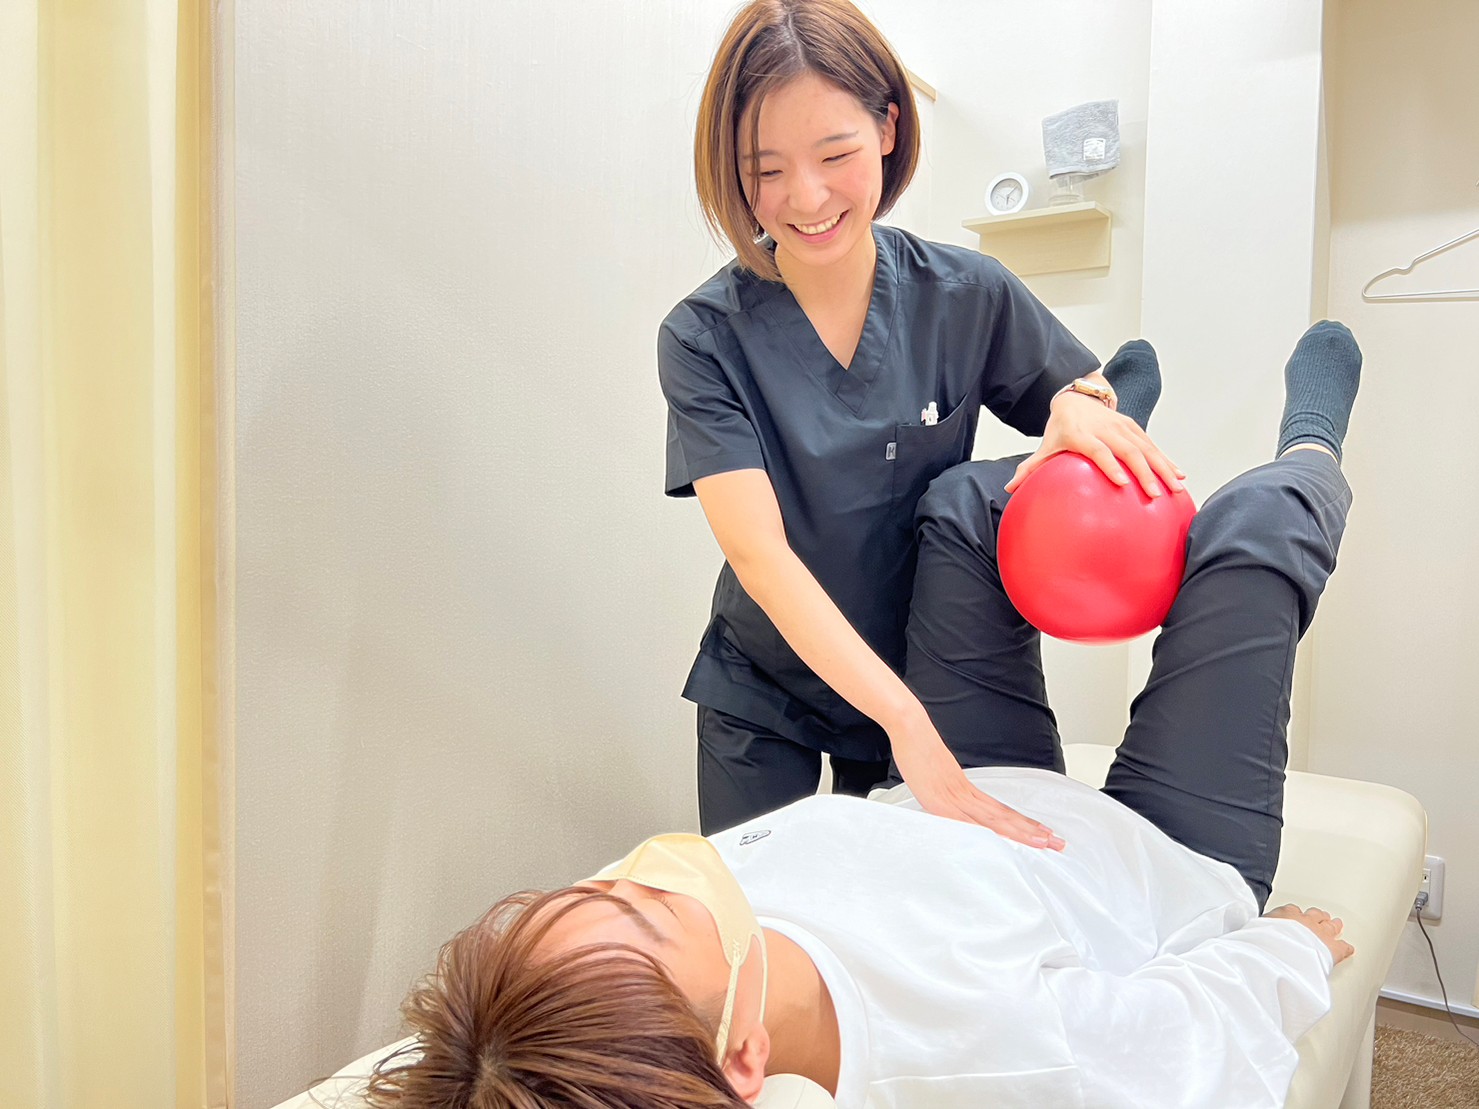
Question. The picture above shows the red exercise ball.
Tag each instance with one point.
(1090, 561)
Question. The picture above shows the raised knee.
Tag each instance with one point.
(962, 497)
(1268, 502)
(1274, 519)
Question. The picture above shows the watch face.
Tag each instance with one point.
(1007, 194)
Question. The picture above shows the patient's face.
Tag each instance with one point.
(673, 928)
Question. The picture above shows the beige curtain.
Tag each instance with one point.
(112, 989)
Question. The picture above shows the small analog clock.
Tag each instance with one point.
(1006, 194)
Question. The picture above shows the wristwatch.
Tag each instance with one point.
(1093, 389)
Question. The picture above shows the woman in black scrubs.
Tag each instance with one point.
(815, 386)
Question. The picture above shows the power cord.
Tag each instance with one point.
(1417, 908)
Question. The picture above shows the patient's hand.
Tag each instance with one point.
(1321, 923)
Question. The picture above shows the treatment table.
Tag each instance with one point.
(1353, 848)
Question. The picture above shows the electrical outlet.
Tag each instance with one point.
(1432, 885)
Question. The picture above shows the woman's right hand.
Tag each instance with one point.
(941, 787)
(746, 519)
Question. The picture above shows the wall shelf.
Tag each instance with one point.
(1046, 240)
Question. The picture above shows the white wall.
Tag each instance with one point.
(1231, 268)
(465, 609)
(1394, 696)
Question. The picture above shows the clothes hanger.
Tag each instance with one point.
(1433, 294)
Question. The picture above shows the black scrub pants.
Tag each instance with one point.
(1203, 758)
(745, 770)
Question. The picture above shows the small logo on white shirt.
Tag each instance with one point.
(750, 837)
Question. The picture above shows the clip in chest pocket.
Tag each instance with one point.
(922, 452)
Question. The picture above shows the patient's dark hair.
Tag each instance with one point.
(501, 1026)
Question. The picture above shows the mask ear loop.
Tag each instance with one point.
(733, 991)
(764, 972)
(729, 996)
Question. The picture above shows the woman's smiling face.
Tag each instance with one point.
(819, 161)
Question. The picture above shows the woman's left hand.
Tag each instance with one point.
(1113, 442)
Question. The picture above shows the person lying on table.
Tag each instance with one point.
(899, 958)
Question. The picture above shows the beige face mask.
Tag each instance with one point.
(689, 864)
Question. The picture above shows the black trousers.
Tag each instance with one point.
(744, 771)
(1204, 755)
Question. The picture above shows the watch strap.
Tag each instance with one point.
(1101, 393)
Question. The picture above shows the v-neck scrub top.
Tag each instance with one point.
(750, 385)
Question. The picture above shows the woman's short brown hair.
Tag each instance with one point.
(769, 43)
(498, 1024)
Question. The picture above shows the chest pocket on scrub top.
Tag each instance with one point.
(922, 452)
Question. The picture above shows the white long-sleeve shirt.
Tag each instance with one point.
(969, 971)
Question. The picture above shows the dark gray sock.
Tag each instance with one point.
(1135, 375)
(1320, 385)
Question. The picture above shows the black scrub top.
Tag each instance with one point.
(750, 385)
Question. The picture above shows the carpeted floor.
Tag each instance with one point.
(1414, 1071)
